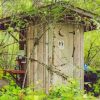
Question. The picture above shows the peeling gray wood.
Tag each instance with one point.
(29, 55)
(78, 55)
(56, 49)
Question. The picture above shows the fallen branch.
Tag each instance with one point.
(54, 70)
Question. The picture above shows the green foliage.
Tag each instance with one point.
(10, 91)
(16, 6)
(71, 91)
(8, 48)
(1, 73)
(96, 87)
(92, 48)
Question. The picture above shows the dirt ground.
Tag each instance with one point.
(3, 82)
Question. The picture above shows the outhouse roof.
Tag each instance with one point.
(66, 17)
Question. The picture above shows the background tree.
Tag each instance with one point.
(92, 48)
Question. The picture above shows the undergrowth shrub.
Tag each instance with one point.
(71, 91)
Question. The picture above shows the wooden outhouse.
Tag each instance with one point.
(54, 49)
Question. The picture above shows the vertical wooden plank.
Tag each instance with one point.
(29, 55)
(78, 54)
(63, 56)
(82, 58)
(45, 58)
(40, 55)
(50, 52)
(57, 54)
(35, 64)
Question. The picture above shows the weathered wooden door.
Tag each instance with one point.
(59, 48)
(62, 51)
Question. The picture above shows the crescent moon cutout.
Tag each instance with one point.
(59, 32)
